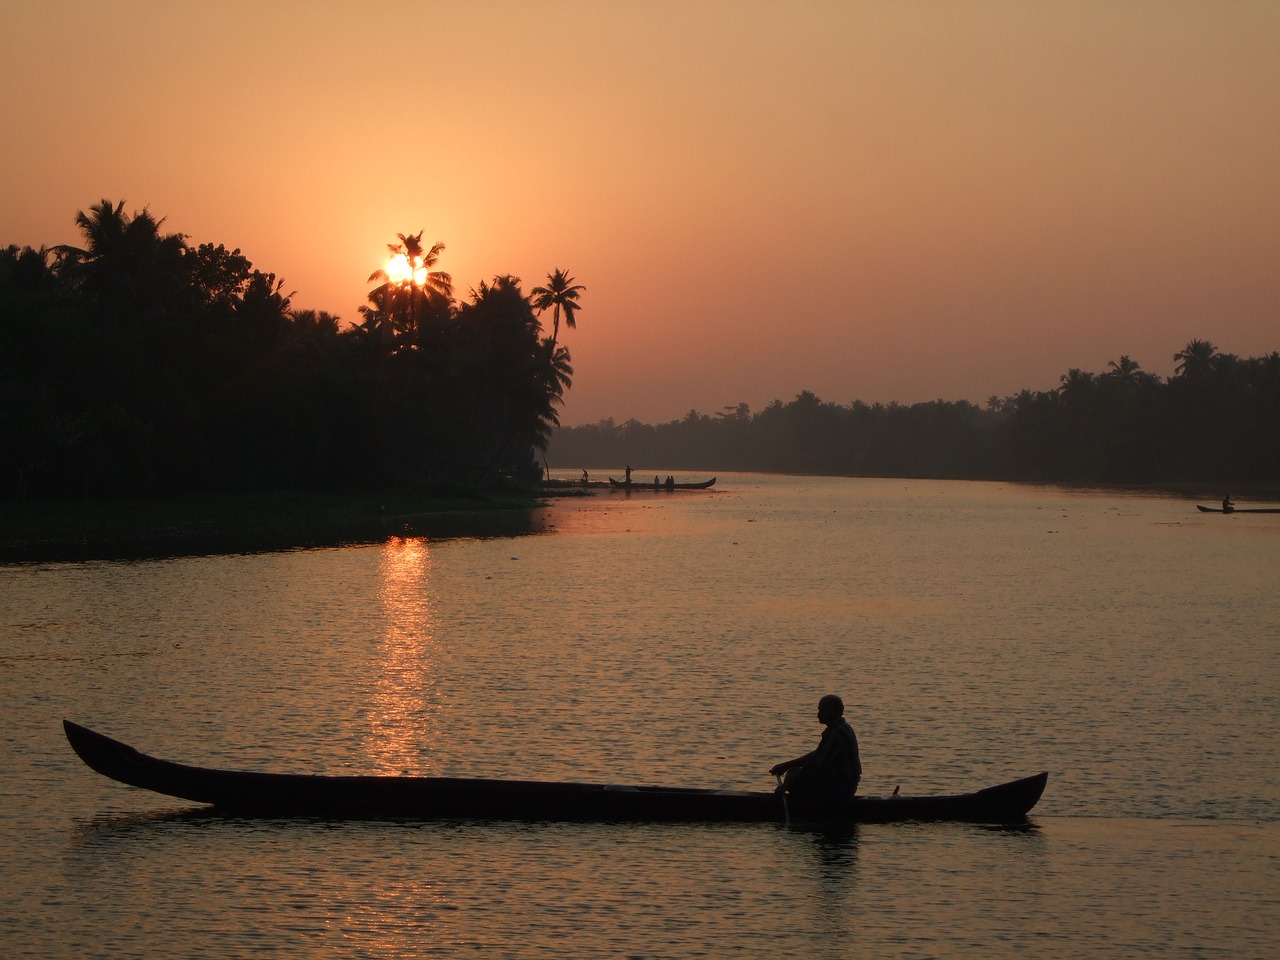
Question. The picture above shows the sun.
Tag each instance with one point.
(401, 270)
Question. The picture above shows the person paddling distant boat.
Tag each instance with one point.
(829, 774)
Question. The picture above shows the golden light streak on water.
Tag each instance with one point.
(401, 716)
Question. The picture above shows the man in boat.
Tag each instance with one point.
(829, 774)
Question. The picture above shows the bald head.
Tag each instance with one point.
(830, 708)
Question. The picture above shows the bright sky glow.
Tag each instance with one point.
(401, 269)
(884, 200)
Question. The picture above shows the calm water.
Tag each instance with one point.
(978, 632)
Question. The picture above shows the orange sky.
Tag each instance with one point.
(879, 201)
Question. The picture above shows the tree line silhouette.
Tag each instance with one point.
(1216, 420)
(141, 364)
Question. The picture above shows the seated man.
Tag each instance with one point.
(829, 774)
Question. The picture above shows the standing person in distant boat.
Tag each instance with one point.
(628, 473)
(1227, 505)
(829, 774)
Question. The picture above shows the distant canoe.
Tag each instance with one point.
(574, 485)
(245, 793)
(1204, 509)
(650, 485)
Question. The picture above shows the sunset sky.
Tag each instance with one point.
(878, 201)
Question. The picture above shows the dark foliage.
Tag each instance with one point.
(1217, 420)
(142, 365)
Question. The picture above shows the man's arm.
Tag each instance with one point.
(778, 769)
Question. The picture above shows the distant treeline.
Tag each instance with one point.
(1217, 420)
(143, 365)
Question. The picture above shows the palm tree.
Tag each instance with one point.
(419, 264)
(1077, 386)
(126, 266)
(402, 294)
(535, 396)
(25, 270)
(1196, 359)
(1124, 369)
(319, 322)
(559, 293)
(557, 377)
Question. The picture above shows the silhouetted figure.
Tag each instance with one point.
(656, 482)
(628, 480)
(671, 483)
(828, 775)
(1227, 505)
(584, 478)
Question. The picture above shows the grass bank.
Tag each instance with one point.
(46, 530)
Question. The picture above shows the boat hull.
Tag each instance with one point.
(246, 793)
(639, 485)
(1203, 509)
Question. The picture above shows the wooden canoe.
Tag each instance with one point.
(650, 485)
(244, 793)
(1203, 509)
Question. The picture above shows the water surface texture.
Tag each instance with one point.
(978, 632)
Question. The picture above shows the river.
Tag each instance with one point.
(977, 632)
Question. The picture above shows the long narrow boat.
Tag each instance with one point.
(650, 485)
(561, 484)
(1203, 509)
(244, 793)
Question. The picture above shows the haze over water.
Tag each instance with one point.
(978, 632)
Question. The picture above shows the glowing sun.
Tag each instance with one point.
(400, 269)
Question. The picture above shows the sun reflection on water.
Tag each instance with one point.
(402, 708)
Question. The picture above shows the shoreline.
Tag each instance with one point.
(1205, 490)
(45, 531)
(66, 530)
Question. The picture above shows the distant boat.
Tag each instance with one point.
(247, 793)
(559, 484)
(1204, 509)
(660, 485)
